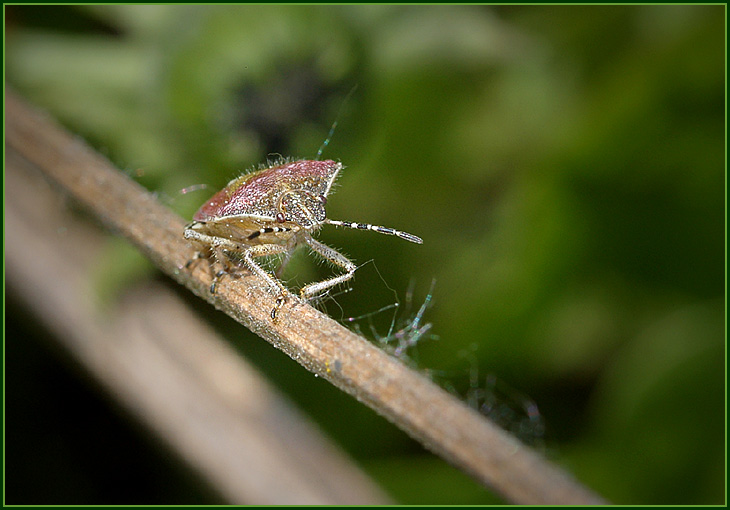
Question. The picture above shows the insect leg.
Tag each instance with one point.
(212, 241)
(263, 250)
(220, 245)
(337, 259)
(198, 255)
(216, 245)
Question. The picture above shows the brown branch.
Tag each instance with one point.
(428, 413)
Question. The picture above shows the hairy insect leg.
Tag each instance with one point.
(263, 250)
(221, 245)
(215, 246)
(249, 254)
(220, 257)
(337, 259)
(206, 253)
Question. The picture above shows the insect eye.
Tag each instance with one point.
(280, 217)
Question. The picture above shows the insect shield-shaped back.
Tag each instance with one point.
(305, 185)
(303, 208)
(287, 188)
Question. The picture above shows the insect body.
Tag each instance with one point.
(272, 211)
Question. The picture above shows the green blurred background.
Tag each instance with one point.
(564, 165)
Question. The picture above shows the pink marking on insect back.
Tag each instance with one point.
(258, 193)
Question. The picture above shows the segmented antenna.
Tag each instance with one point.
(334, 124)
(376, 228)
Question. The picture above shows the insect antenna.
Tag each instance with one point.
(375, 228)
(334, 124)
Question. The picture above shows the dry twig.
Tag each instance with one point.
(429, 414)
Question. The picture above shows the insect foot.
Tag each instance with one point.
(275, 311)
(198, 255)
(271, 212)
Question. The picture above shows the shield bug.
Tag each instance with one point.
(273, 211)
